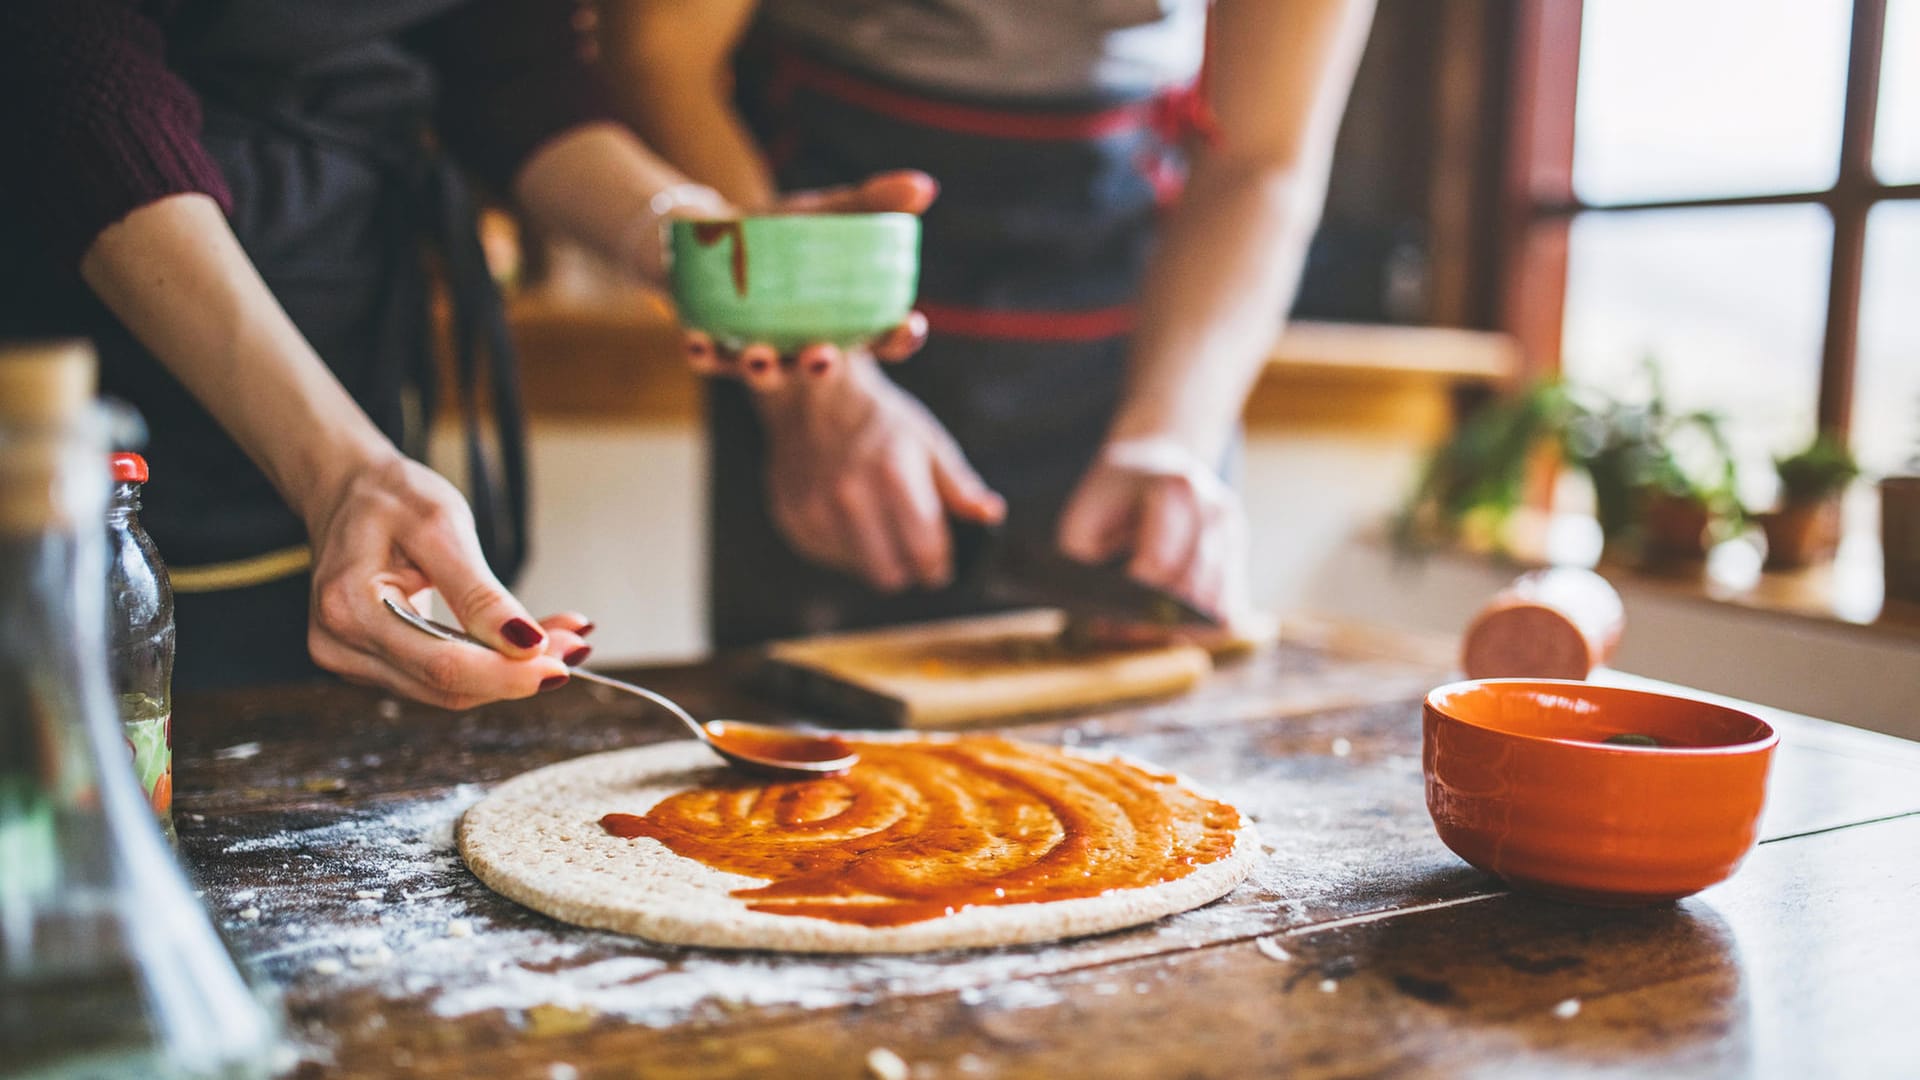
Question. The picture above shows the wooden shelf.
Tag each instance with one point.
(1848, 592)
(618, 358)
(1375, 352)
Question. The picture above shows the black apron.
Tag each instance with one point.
(317, 119)
(1031, 260)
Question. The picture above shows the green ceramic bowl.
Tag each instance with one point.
(792, 280)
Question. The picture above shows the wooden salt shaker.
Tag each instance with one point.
(1549, 624)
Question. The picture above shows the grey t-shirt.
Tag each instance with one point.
(1007, 49)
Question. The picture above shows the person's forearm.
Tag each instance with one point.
(671, 66)
(1213, 305)
(597, 185)
(173, 272)
(1229, 261)
(710, 143)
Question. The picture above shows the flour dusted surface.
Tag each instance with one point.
(304, 874)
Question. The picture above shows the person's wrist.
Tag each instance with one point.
(1154, 454)
(1201, 440)
(331, 471)
(862, 381)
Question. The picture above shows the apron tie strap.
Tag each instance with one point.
(487, 370)
(488, 376)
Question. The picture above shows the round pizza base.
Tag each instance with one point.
(537, 840)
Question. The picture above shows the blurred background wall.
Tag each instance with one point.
(1521, 187)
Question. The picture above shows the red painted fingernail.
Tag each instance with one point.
(577, 656)
(585, 630)
(522, 633)
(553, 682)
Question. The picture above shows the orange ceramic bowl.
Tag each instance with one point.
(1522, 784)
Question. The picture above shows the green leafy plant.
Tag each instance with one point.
(1630, 449)
(1482, 471)
(1824, 468)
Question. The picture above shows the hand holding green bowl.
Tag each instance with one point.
(794, 280)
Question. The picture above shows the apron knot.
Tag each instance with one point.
(1181, 118)
(1183, 115)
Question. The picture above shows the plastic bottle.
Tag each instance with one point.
(140, 636)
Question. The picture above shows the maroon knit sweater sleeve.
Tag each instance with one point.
(513, 74)
(95, 124)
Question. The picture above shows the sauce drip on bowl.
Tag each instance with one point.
(919, 830)
(709, 233)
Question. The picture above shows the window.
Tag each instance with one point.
(1728, 187)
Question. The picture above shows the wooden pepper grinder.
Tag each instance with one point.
(1548, 624)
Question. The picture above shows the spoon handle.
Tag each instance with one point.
(447, 633)
(642, 692)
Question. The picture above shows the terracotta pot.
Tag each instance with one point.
(1900, 536)
(1674, 527)
(1802, 534)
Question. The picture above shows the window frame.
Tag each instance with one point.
(1538, 203)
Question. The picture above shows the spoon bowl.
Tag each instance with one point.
(759, 748)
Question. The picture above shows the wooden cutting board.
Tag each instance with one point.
(969, 671)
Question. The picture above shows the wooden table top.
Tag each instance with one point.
(319, 823)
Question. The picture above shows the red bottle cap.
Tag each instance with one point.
(130, 468)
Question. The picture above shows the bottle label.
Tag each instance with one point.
(150, 741)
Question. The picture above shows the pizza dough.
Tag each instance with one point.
(538, 839)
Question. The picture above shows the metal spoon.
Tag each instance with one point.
(755, 747)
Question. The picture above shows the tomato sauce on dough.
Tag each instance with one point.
(920, 830)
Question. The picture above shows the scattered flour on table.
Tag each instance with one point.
(1013, 995)
(443, 938)
(442, 942)
(884, 1064)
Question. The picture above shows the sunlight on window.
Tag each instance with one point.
(1896, 150)
(1731, 302)
(1886, 396)
(1691, 98)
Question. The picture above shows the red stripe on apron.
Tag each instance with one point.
(1001, 323)
(1176, 115)
(796, 70)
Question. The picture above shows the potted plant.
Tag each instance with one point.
(1474, 482)
(1900, 529)
(1804, 529)
(1663, 481)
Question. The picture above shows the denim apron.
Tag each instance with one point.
(318, 122)
(1031, 260)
